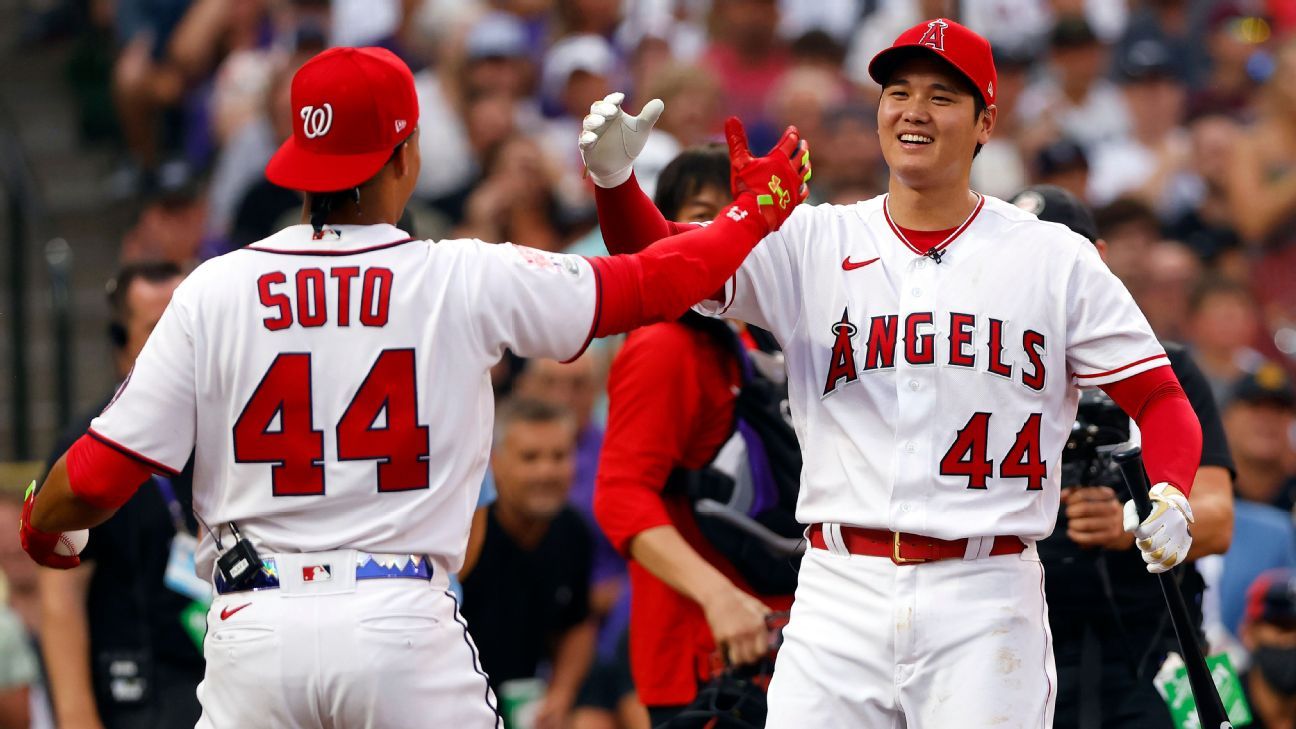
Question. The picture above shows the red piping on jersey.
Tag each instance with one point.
(1121, 369)
(151, 464)
(331, 253)
(598, 312)
(943, 244)
(1048, 635)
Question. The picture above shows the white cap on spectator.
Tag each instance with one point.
(589, 53)
(497, 35)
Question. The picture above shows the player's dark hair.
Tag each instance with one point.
(118, 289)
(323, 204)
(692, 171)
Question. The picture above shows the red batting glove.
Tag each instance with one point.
(778, 180)
(38, 544)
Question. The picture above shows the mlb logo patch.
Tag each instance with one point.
(317, 573)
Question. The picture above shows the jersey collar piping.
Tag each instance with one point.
(943, 244)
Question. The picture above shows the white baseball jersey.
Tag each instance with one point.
(935, 398)
(337, 390)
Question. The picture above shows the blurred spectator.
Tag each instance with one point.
(18, 667)
(804, 97)
(1269, 633)
(879, 28)
(496, 58)
(1199, 214)
(1173, 271)
(1131, 229)
(1222, 325)
(854, 169)
(1075, 99)
(20, 599)
(578, 70)
(597, 17)
(1262, 191)
(1263, 538)
(1259, 419)
(1169, 22)
(122, 639)
(609, 691)
(748, 58)
(170, 225)
(516, 201)
(1065, 164)
(1235, 40)
(693, 115)
(1144, 163)
(1001, 168)
(832, 18)
(527, 599)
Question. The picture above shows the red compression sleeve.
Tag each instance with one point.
(629, 220)
(1172, 439)
(101, 475)
(664, 280)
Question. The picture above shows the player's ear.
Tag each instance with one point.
(986, 123)
(406, 160)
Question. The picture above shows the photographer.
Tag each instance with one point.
(1110, 627)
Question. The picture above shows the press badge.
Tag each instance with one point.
(181, 576)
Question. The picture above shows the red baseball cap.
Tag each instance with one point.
(351, 108)
(955, 44)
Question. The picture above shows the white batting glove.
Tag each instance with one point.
(611, 139)
(1163, 537)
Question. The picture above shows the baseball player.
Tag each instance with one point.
(935, 339)
(332, 382)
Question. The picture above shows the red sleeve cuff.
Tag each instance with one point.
(105, 474)
(624, 510)
(1171, 432)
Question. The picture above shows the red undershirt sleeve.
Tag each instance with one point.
(653, 390)
(103, 476)
(629, 220)
(661, 282)
(1172, 439)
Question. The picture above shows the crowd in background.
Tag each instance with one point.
(1174, 119)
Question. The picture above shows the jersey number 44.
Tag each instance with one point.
(296, 449)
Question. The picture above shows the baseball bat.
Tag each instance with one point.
(1210, 710)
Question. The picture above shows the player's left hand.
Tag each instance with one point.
(1164, 537)
(778, 180)
(611, 139)
(40, 545)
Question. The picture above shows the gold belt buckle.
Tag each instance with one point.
(895, 552)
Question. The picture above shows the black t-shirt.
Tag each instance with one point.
(1076, 589)
(518, 603)
(129, 608)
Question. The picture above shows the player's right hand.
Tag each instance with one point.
(737, 622)
(611, 139)
(778, 180)
(40, 545)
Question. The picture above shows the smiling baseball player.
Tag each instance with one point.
(333, 384)
(935, 340)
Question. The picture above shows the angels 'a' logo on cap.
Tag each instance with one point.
(935, 35)
(316, 121)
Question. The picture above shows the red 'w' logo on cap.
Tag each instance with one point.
(935, 35)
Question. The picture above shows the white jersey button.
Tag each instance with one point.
(916, 292)
(921, 263)
(906, 507)
(909, 447)
(914, 385)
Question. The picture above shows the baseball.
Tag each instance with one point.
(71, 543)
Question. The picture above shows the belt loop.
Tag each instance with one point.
(978, 547)
(833, 540)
